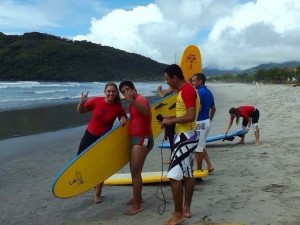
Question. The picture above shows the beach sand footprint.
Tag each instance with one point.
(275, 188)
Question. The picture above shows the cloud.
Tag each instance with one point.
(254, 33)
(229, 33)
(55, 17)
(156, 30)
(26, 15)
(133, 30)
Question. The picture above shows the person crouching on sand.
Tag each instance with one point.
(250, 115)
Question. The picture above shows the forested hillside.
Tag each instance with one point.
(37, 56)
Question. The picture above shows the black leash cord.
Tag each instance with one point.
(162, 206)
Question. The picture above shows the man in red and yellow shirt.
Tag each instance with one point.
(185, 142)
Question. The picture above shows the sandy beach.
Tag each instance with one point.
(253, 185)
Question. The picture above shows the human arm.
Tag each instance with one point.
(138, 103)
(212, 112)
(186, 118)
(229, 125)
(80, 107)
(249, 123)
(162, 93)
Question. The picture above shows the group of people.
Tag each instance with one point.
(195, 108)
(105, 110)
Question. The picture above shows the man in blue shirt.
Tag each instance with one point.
(205, 116)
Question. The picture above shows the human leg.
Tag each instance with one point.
(137, 160)
(189, 184)
(256, 134)
(255, 126)
(209, 164)
(97, 198)
(87, 140)
(210, 167)
(182, 166)
(199, 155)
(244, 125)
(177, 193)
(199, 159)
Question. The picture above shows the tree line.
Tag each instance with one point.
(272, 76)
(39, 56)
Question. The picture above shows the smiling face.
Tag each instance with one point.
(110, 93)
(170, 80)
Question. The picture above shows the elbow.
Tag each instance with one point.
(191, 118)
(146, 113)
(81, 111)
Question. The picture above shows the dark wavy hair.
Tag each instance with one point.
(200, 76)
(174, 70)
(117, 100)
(126, 83)
(235, 111)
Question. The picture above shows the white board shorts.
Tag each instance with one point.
(202, 127)
(182, 156)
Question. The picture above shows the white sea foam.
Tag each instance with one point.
(24, 94)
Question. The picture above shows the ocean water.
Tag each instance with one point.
(32, 94)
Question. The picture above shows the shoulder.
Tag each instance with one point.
(141, 99)
(188, 88)
(188, 91)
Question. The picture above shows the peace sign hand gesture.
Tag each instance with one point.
(84, 97)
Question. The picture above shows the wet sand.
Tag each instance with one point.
(250, 185)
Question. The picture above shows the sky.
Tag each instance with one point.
(229, 33)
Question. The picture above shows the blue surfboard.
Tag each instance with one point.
(229, 137)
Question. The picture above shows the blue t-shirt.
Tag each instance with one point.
(207, 101)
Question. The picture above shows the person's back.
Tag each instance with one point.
(207, 101)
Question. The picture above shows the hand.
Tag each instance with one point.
(166, 121)
(159, 88)
(130, 96)
(84, 97)
(123, 121)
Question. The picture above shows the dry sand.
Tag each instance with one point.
(250, 185)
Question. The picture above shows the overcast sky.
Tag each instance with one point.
(230, 33)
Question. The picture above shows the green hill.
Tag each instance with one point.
(38, 56)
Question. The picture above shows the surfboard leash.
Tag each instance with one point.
(161, 208)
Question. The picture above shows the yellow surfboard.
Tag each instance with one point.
(148, 177)
(190, 61)
(110, 153)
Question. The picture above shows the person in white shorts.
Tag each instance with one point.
(185, 142)
(205, 116)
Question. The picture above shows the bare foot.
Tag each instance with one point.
(256, 144)
(131, 201)
(174, 220)
(97, 199)
(210, 170)
(187, 213)
(133, 211)
(241, 142)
